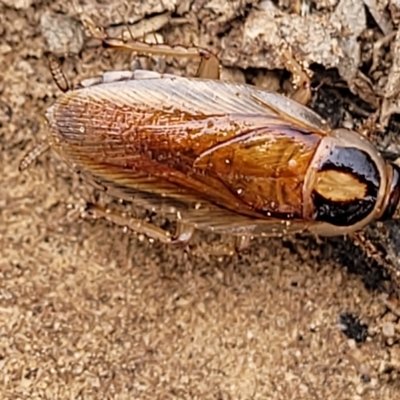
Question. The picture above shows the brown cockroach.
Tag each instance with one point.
(218, 156)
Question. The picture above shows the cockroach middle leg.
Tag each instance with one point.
(237, 245)
(183, 231)
(182, 235)
(209, 67)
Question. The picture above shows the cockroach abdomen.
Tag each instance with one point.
(346, 186)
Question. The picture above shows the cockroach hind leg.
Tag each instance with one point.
(301, 80)
(139, 226)
(242, 243)
(209, 67)
(235, 246)
(183, 232)
(33, 154)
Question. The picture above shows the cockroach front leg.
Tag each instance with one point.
(182, 235)
(387, 261)
(301, 80)
(209, 67)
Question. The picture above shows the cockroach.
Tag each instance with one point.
(218, 156)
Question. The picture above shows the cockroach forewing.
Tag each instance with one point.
(272, 103)
(291, 111)
(110, 132)
(257, 156)
(212, 96)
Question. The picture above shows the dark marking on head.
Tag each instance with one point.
(364, 172)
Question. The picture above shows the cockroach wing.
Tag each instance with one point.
(271, 102)
(175, 203)
(219, 155)
(265, 167)
(291, 111)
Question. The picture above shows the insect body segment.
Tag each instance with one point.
(350, 187)
(356, 179)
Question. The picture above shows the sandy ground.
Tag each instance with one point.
(88, 311)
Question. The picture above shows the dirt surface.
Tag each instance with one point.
(88, 310)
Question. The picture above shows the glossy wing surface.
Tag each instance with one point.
(189, 140)
(265, 167)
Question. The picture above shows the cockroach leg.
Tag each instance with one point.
(182, 236)
(370, 249)
(57, 73)
(183, 232)
(242, 243)
(237, 245)
(301, 80)
(209, 67)
(383, 41)
(33, 155)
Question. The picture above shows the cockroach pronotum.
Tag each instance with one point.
(225, 157)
